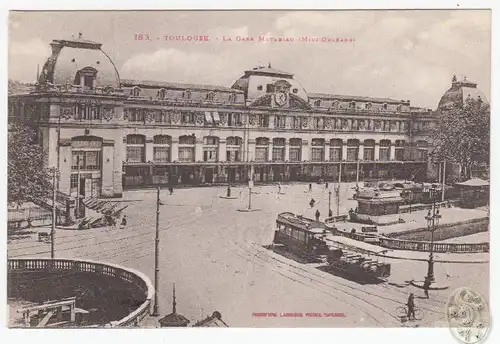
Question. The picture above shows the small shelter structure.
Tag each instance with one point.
(474, 193)
(173, 319)
(380, 207)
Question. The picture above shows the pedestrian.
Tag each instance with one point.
(310, 186)
(317, 215)
(279, 188)
(311, 203)
(326, 185)
(171, 190)
(124, 221)
(427, 284)
(229, 191)
(411, 306)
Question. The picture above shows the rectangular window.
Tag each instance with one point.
(384, 154)
(264, 121)
(209, 154)
(161, 154)
(294, 154)
(88, 160)
(186, 154)
(400, 153)
(317, 154)
(261, 154)
(278, 154)
(187, 118)
(135, 154)
(352, 154)
(369, 154)
(422, 154)
(269, 88)
(336, 154)
(74, 180)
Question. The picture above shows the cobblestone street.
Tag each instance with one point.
(215, 256)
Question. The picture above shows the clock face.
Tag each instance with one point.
(280, 98)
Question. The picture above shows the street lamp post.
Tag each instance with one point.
(330, 203)
(337, 194)
(157, 246)
(432, 223)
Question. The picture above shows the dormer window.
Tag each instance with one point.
(352, 105)
(368, 106)
(295, 90)
(162, 94)
(384, 106)
(136, 91)
(86, 78)
(186, 94)
(259, 88)
(317, 103)
(399, 107)
(210, 96)
(336, 104)
(232, 98)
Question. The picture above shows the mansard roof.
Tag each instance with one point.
(173, 85)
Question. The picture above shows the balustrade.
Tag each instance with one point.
(129, 276)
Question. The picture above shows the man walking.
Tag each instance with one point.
(317, 215)
(411, 306)
(427, 284)
(310, 186)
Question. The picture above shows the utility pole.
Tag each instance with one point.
(249, 198)
(337, 192)
(330, 203)
(54, 215)
(157, 244)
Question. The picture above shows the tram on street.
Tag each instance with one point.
(301, 236)
(356, 258)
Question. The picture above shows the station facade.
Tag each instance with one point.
(105, 134)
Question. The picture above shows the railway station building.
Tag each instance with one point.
(105, 134)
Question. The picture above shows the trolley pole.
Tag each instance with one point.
(54, 215)
(157, 243)
(249, 198)
(444, 180)
(337, 192)
(329, 203)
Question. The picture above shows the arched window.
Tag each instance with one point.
(384, 106)
(85, 78)
(352, 105)
(369, 150)
(161, 148)
(336, 104)
(162, 94)
(232, 98)
(186, 94)
(399, 150)
(261, 149)
(317, 103)
(385, 150)
(233, 148)
(352, 149)
(136, 148)
(210, 148)
(317, 150)
(136, 92)
(187, 148)
(368, 106)
(295, 149)
(278, 149)
(335, 150)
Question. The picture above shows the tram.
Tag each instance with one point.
(356, 258)
(301, 235)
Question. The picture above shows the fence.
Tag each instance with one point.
(127, 275)
(421, 246)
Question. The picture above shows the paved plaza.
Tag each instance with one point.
(216, 258)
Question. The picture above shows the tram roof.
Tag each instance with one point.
(356, 246)
(300, 222)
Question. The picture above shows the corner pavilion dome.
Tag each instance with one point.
(459, 92)
(259, 81)
(78, 61)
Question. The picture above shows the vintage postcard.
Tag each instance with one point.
(249, 169)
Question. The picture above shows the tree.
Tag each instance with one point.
(461, 134)
(28, 179)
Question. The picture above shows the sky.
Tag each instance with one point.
(404, 55)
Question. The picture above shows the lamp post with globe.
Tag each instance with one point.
(433, 219)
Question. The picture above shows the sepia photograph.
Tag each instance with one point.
(249, 169)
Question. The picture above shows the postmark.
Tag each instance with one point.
(468, 316)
